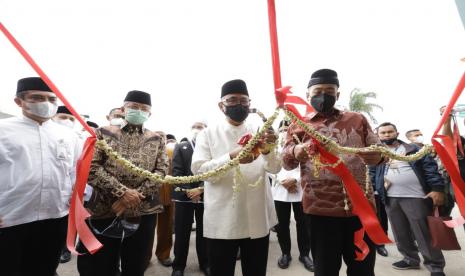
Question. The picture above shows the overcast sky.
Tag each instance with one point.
(183, 51)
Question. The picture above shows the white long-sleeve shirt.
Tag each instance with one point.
(282, 194)
(37, 170)
(251, 213)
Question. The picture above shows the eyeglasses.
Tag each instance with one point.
(235, 101)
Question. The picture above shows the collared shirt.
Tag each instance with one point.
(324, 195)
(247, 213)
(145, 149)
(282, 194)
(37, 167)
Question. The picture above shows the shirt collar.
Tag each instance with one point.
(132, 128)
(231, 126)
(32, 122)
(336, 113)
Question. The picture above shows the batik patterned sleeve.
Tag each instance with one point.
(102, 179)
(370, 137)
(289, 161)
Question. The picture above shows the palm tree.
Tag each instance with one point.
(358, 103)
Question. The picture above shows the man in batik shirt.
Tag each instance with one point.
(331, 221)
(120, 195)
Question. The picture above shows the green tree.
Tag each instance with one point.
(358, 102)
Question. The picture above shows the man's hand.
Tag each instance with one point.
(118, 207)
(370, 157)
(290, 184)
(270, 136)
(194, 194)
(247, 159)
(132, 198)
(300, 154)
(437, 197)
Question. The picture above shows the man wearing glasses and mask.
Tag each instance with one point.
(124, 205)
(37, 165)
(237, 218)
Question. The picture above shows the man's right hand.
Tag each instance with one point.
(132, 198)
(290, 184)
(300, 154)
(118, 207)
(248, 159)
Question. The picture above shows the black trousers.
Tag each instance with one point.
(382, 215)
(32, 248)
(283, 210)
(332, 238)
(222, 256)
(131, 250)
(183, 219)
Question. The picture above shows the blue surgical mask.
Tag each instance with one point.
(136, 117)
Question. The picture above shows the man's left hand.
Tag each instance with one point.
(268, 138)
(370, 157)
(194, 194)
(437, 197)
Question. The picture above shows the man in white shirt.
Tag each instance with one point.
(240, 217)
(37, 165)
(287, 195)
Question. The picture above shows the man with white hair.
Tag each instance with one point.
(124, 205)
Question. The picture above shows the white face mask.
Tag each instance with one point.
(420, 139)
(194, 133)
(116, 121)
(67, 123)
(44, 110)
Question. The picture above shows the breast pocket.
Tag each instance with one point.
(63, 150)
(64, 155)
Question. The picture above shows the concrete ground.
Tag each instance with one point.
(455, 261)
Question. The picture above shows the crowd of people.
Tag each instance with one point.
(233, 212)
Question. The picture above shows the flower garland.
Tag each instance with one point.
(246, 150)
(329, 144)
(333, 147)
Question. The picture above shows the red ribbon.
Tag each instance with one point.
(360, 204)
(361, 245)
(77, 213)
(447, 152)
(274, 45)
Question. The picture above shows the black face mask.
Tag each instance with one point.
(323, 103)
(389, 141)
(237, 113)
